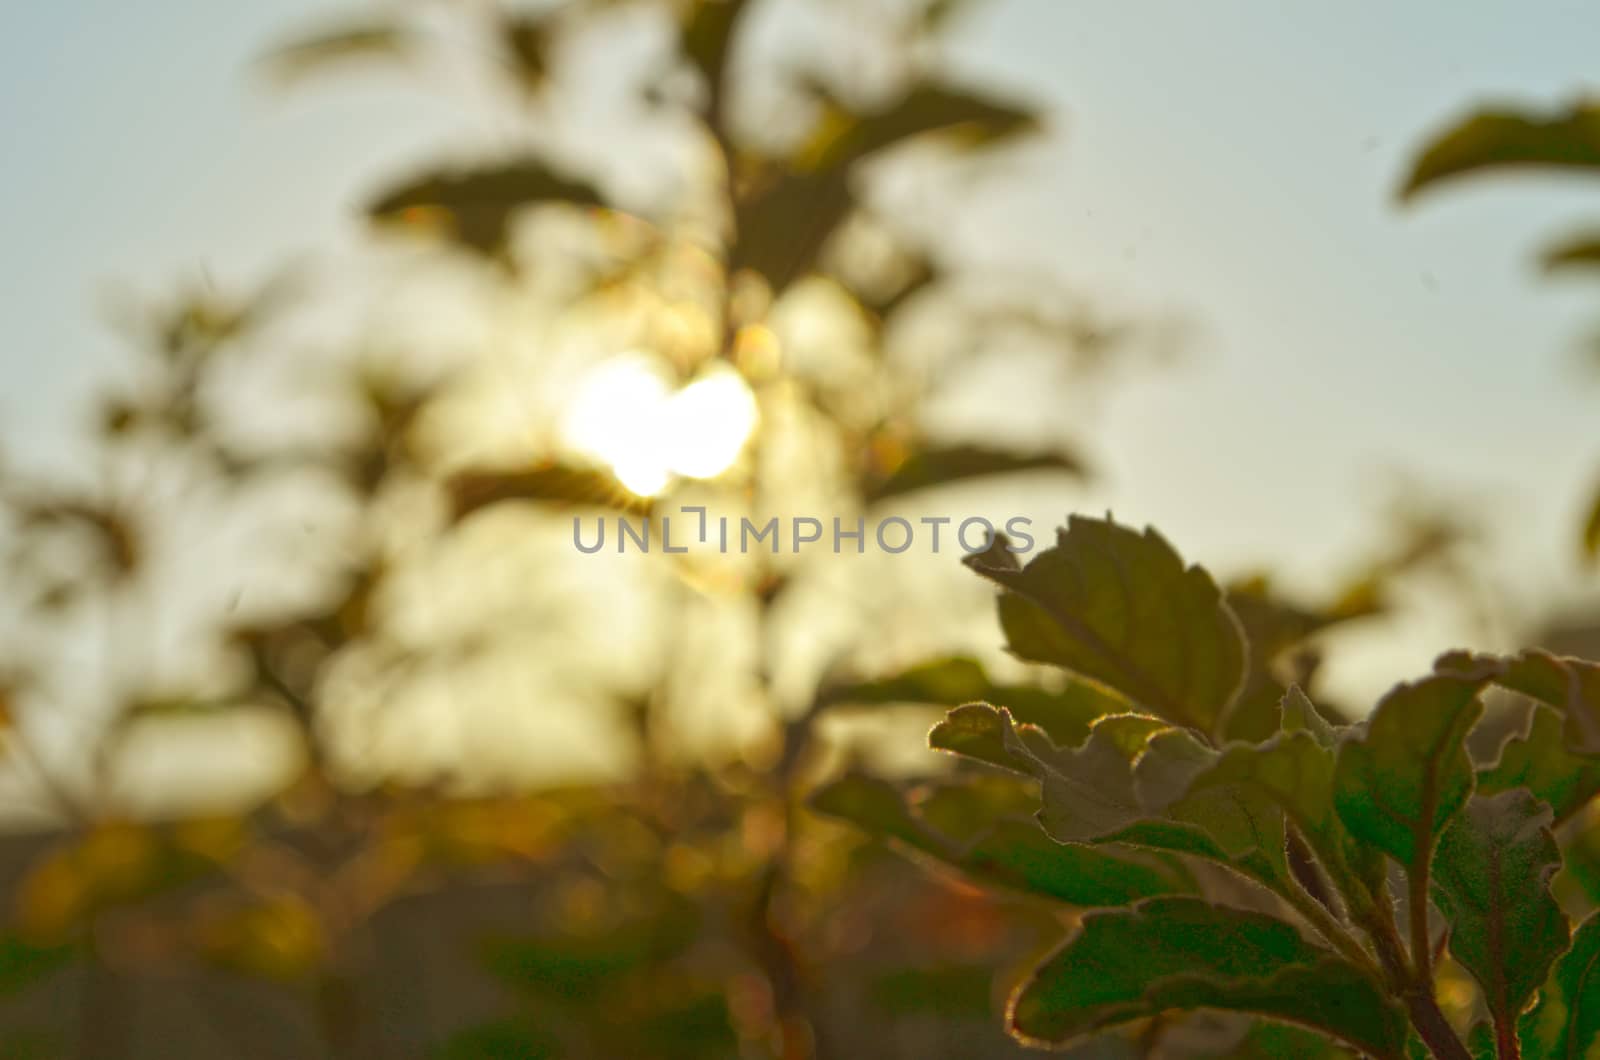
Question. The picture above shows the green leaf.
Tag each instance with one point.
(1275, 1041)
(1096, 792)
(1565, 1024)
(1570, 686)
(1540, 761)
(1010, 852)
(1293, 772)
(1497, 140)
(1019, 855)
(1579, 878)
(1088, 791)
(1398, 783)
(1238, 824)
(475, 207)
(1492, 882)
(1177, 954)
(1065, 715)
(1132, 782)
(936, 466)
(314, 53)
(986, 734)
(1300, 714)
(547, 483)
(1120, 608)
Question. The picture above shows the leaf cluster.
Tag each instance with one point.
(1325, 875)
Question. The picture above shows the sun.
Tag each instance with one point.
(628, 416)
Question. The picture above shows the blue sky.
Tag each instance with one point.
(1231, 161)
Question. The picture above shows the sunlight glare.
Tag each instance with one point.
(627, 416)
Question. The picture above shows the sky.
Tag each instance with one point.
(1231, 162)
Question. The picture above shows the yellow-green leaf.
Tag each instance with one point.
(1119, 607)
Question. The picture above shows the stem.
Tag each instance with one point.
(1435, 1030)
(1331, 930)
(1421, 937)
(1506, 1046)
(1441, 1039)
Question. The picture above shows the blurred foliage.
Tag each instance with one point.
(1496, 140)
(699, 902)
(693, 908)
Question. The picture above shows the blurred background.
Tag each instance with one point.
(326, 322)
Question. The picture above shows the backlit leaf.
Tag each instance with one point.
(1565, 1024)
(1065, 715)
(1097, 793)
(1294, 772)
(1541, 762)
(1120, 608)
(1170, 954)
(985, 734)
(1570, 686)
(1492, 882)
(1400, 781)
(1299, 713)
(1010, 852)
